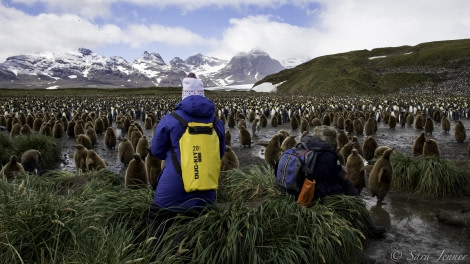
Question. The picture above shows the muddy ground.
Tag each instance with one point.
(414, 235)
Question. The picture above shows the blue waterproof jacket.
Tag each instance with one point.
(170, 193)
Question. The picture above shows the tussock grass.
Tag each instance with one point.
(429, 177)
(90, 217)
(6, 147)
(49, 147)
(90, 223)
(258, 182)
(276, 231)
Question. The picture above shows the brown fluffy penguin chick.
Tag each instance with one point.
(368, 147)
(30, 161)
(410, 119)
(231, 121)
(392, 122)
(91, 133)
(15, 130)
(263, 120)
(46, 129)
(380, 177)
(288, 142)
(245, 136)
(125, 151)
(274, 121)
(154, 167)
(417, 148)
(273, 151)
(241, 123)
(99, 125)
(228, 138)
(459, 132)
(429, 126)
(37, 123)
(379, 151)
(445, 124)
(11, 168)
(342, 138)
(58, 129)
(78, 128)
(229, 161)
(369, 127)
(283, 134)
(26, 130)
(85, 141)
(71, 129)
(294, 122)
(79, 157)
(94, 161)
(304, 126)
(304, 134)
(358, 128)
(143, 147)
(431, 148)
(419, 122)
(110, 139)
(346, 150)
(357, 145)
(355, 172)
(136, 173)
(135, 137)
(148, 124)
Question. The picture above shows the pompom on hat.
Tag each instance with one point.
(192, 86)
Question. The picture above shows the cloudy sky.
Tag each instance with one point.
(222, 28)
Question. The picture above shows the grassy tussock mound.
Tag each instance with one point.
(429, 177)
(44, 221)
(91, 218)
(49, 147)
(276, 231)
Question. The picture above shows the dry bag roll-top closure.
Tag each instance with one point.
(199, 155)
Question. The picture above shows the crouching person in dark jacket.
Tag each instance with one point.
(330, 177)
(171, 199)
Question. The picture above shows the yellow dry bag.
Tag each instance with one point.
(199, 155)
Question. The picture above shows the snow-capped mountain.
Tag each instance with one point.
(84, 68)
(248, 68)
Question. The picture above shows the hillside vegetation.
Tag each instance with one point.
(434, 67)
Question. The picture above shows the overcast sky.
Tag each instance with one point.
(222, 28)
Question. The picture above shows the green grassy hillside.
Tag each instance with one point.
(428, 67)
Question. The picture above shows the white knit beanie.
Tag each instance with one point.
(192, 86)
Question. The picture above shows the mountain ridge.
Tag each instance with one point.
(84, 68)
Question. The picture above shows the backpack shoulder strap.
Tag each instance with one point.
(311, 164)
(312, 161)
(180, 119)
(184, 123)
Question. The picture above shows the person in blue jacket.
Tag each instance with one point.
(170, 197)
